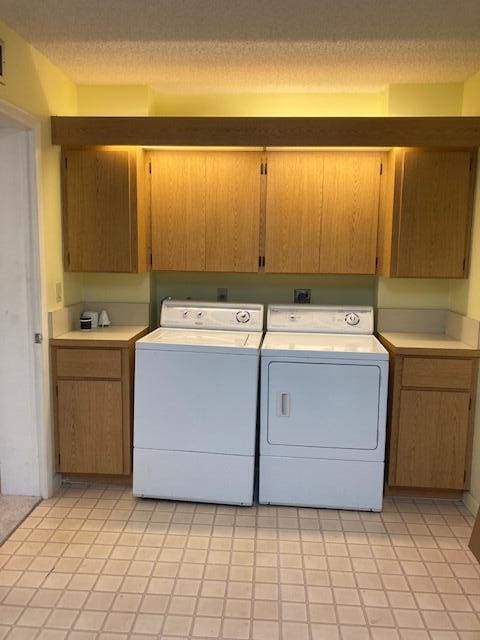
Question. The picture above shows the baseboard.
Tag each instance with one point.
(472, 504)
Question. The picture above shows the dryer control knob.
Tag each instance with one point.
(199, 314)
(352, 319)
(243, 316)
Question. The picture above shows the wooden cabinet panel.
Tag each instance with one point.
(178, 211)
(351, 189)
(442, 373)
(434, 214)
(90, 438)
(293, 211)
(89, 363)
(232, 211)
(99, 223)
(432, 439)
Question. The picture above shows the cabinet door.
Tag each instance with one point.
(232, 211)
(178, 211)
(90, 423)
(434, 217)
(432, 439)
(293, 211)
(351, 190)
(98, 231)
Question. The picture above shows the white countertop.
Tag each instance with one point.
(423, 341)
(121, 333)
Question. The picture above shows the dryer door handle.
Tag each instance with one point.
(283, 405)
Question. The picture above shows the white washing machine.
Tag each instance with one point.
(195, 412)
(323, 408)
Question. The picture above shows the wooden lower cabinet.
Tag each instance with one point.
(432, 438)
(90, 420)
(93, 402)
(430, 421)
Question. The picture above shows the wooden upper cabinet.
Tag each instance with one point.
(232, 211)
(293, 211)
(205, 210)
(428, 212)
(351, 188)
(322, 212)
(105, 226)
(178, 210)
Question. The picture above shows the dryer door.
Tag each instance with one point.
(329, 406)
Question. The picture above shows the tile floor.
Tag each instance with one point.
(94, 562)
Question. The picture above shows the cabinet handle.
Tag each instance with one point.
(283, 405)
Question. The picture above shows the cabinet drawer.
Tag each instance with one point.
(89, 363)
(440, 373)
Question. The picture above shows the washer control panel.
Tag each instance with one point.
(320, 319)
(186, 314)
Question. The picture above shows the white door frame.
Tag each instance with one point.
(36, 297)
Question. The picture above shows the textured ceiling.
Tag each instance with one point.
(197, 46)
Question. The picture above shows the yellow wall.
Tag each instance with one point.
(411, 293)
(440, 99)
(116, 287)
(107, 100)
(269, 104)
(35, 85)
(471, 96)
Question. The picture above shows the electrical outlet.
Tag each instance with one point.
(58, 292)
(222, 294)
(302, 296)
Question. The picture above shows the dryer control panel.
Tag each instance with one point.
(222, 316)
(320, 319)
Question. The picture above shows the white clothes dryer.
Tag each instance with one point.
(324, 380)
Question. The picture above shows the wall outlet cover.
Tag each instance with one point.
(58, 292)
(302, 296)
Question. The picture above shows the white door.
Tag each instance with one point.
(323, 406)
(24, 435)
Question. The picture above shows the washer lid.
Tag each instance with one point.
(198, 340)
(324, 345)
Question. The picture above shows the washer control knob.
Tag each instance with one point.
(199, 314)
(185, 313)
(352, 319)
(243, 316)
(293, 317)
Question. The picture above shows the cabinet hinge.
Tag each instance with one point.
(381, 168)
